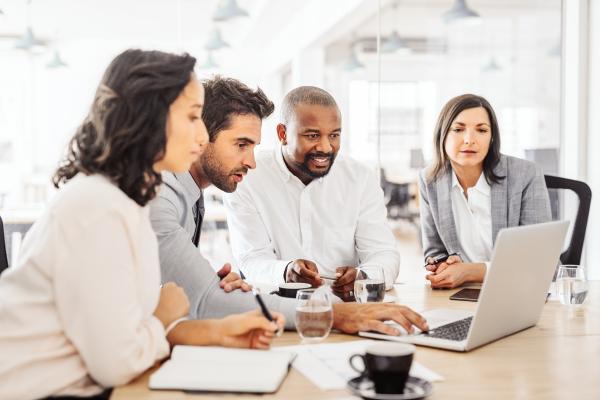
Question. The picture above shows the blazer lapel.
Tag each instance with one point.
(499, 200)
(447, 229)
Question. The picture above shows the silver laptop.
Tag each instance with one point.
(512, 296)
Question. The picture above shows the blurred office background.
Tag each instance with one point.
(391, 65)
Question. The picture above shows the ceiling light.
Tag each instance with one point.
(491, 66)
(352, 63)
(56, 62)
(394, 43)
(215, 41)
(461, 12)
(209, 63)
(28, 41)
(228, 9)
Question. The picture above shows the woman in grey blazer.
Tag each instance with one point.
(471, 191)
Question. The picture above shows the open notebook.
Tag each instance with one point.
(217, 369)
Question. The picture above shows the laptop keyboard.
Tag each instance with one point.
(456, 330)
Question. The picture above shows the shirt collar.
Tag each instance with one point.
(281, 163)
(481, 186)
(192, 191)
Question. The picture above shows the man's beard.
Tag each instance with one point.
(304, 167)
(214, 173)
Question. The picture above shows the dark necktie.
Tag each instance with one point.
(198, 215)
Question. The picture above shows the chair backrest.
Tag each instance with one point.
(3, 256)
(573, 253)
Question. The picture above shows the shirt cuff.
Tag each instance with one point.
(162, 348)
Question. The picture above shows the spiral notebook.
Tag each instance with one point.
(218, 369)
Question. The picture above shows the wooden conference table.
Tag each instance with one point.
(559, 358)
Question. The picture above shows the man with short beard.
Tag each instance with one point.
(233, 116)
(305, 212)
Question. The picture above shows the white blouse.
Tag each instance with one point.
(473, 219)
(76, 310)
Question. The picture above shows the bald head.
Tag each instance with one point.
(308, 95)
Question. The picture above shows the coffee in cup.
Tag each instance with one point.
(289, 289)
(387, 365)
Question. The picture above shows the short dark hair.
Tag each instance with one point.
(453, 107)
(310, 95)
(124, 133)
(227, 97)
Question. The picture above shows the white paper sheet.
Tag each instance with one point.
(327, 365)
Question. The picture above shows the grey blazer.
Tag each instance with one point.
(519, 199)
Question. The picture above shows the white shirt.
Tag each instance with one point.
(337, 220)
(473, 219)
(76, 310)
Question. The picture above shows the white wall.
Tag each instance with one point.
(593, 141)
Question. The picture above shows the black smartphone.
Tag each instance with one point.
(466, 295)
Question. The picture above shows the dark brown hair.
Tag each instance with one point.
(227, 97)
(455, 106)
(124, 133)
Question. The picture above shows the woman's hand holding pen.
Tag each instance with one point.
(249, 330)
(442, 265)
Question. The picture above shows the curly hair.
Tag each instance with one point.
(225, 98)
(124, 133)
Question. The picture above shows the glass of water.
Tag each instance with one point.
(314, 314)
(369, 286)
(571, 284)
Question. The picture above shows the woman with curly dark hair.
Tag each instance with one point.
(82, 311)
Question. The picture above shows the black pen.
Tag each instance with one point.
(264, 308)
(441, 257)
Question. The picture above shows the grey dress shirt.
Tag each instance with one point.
(521, 198)
(172, 218)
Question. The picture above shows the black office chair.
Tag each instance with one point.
(573, 253)
(3, 256)
(397, 199)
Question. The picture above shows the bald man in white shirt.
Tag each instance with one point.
(305, 211)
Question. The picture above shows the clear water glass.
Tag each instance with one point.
(369, 286)
(571, 284)
(314, 314)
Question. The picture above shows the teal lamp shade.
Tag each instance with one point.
(215, 41)
(228, 9)
(461, 12)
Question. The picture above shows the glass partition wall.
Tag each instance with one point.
(391, 65)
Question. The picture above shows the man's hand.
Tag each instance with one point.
(303, 271)
(444, 264)
(343, 287)
(454, 275)
(351, 318)
(231, 281)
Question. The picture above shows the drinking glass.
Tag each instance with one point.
(571, 284)
(369, 286)
(314, 314)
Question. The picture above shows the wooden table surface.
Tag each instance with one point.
(559, 358)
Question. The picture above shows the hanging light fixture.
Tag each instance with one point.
(215, 41)
(352, 62)
(228, 9)
(395, 44)
(461, 12)
(556, 50)
(56, 62)
(28, 41)
(209, 63)
(491, 66)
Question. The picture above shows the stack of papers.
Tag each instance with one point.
(327, 365)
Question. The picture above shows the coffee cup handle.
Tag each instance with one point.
(360, 371)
